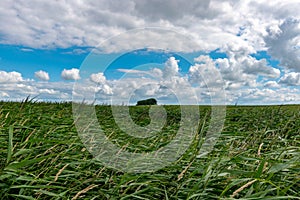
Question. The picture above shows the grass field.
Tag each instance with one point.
(256, 157)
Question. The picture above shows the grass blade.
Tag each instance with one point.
(10, 144)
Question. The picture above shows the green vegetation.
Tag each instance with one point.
(256, 157)
(150, 101)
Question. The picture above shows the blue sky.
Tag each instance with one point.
(248, 50)
(27, 61)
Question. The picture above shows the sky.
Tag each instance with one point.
(117, 52)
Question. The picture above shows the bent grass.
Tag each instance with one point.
(256, 157)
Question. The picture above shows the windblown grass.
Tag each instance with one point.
(256, 157)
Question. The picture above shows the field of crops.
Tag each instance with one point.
(257, 156)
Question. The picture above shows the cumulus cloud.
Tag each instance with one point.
(168, 10)
(205, 73)
(166, 84)
(42, 75)
(70, 74)
(239, 57)
(171, 68)
(251, 65)
(98, 78)
(291, 79)
(271, 84)
(237, 71)
(211, 23)
(102, 85)
(284, 43)
(10, 77)
(240, 68)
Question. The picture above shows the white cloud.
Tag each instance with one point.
(48, 91)
(171, 68)
(241, 64)
(176, 89)
(211, 24)
(259, 67)
(284, 43)
(106, 89)
(70, 74)
(164, 84)
(55, 91)
(98, 78)
(4, 95)
(291, 79)
(134, 71)
(10, 77)
(102, 84)
(257, 96)
(173, 11)
(42, 75)
(205, 73)
(238, 70)
(172, 91)
(271, 84)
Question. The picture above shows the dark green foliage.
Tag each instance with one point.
(150, 101)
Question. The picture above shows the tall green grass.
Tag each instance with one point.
(256, 157)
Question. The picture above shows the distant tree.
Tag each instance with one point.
(150, 101)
